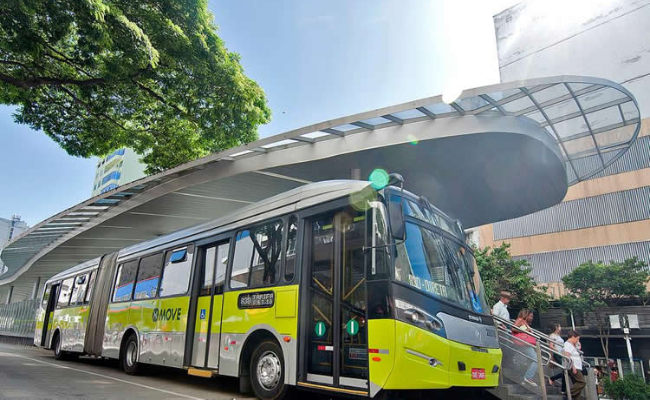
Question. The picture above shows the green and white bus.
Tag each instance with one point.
(335, 286)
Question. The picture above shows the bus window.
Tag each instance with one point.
(176, 273)
(79, 289)
(257, 253)
(222, 262)
(290, 260)
(124, 282)
(148, 277)
(46, 296)
(208, 271)
(91, 283)
(64, 293)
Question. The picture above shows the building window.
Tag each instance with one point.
(115, 175)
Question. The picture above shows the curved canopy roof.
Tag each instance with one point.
(497, 152)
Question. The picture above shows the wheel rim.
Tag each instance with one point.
(269, 370)
(131, 354)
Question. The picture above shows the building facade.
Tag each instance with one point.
(606, 217)
(9, 229)
(120, 167)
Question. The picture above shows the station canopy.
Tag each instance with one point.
(495, 153)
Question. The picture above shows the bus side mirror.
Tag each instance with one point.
(397, 224)
(396, 209)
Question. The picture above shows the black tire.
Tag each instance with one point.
(129, 356)
(267, 371)
(56, 347)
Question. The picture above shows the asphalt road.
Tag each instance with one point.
(31, 373)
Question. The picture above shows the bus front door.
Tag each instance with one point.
(51, 296)
(336, 351)
(207, 329)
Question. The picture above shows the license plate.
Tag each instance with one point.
(478, 373)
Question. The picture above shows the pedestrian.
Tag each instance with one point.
(557, 344)
(500, 309)
(571, 350)
(527, 342)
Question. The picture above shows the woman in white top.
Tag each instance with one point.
(575, 369)
(557, 344)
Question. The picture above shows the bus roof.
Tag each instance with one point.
(300, 197)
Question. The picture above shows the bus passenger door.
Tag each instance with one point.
(51, 296)
(207, 331)
(336, 352)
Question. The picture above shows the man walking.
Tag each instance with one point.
(500, 309)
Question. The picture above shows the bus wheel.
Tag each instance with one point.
(267, 371)
(130, 356)
(56, 346)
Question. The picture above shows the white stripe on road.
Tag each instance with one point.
(102, 376)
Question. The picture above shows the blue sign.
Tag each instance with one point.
(202, 313)
(476, 303)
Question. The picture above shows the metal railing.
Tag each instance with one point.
(518, 355)
(18, 319)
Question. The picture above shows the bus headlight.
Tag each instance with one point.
(406, 312)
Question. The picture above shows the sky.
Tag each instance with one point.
(315, 60)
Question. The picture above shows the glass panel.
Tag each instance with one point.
(376, 121)
(606, 117)
(630, 112)
(345, 127)
(64, 293)
(380, 261)
(498, 96)
(176, 276)
(222, 262)
(599, 97)
(571, 127)
(561, 109)
(471, 103)
(408, 114)
(354, 356)
(290, 260)
(537, 116)
(518, 105)
(91, 285)
(440, 267)
(124, 281)
(320, 330)
(46, 296)
(178, 255)
(550, 93)
(577, 87)
(208, 271)
(79, 290)
(257, 256)
(440, 108)
(148, 277)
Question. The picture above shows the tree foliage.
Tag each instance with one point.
(499, 271)
(630, 388)
(595, 285)
(97, 75)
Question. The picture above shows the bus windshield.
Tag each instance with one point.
(439, 266)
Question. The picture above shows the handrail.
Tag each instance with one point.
(544, 352)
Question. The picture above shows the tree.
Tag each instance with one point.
(152, 75)
(499, 271)
(593, 286)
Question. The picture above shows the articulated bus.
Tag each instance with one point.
(334, 286)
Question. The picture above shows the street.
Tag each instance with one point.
(30, 373)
